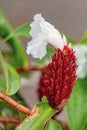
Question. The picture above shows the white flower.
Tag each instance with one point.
(43, 33)
(81, 53)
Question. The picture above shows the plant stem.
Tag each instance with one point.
(13, 103)
(30, 68)
(27, 69)
(9, 120)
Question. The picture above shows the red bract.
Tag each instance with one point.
(58, 78)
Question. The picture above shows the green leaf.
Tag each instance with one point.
(84, 39)
(77, 105)
(10, 82)
(53, 125)
(2, 84)
(50, 51)
(14, 81)
(23, 30)
(15, 43)
(4, 70)
(38, 122)
(84, 127)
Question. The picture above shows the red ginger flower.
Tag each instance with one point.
(58, 78)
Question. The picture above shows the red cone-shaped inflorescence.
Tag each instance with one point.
(58, 78)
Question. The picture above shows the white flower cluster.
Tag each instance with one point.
(81, 54)
(43, 33)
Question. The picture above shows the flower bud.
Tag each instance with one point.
(58, 78)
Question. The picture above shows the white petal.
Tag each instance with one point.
(56, 41)
(37, 47)
(53, 36)
(42, 33)
(35, 25)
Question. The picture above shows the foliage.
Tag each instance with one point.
(39, 120)
(40, 117)
(77, 106)
(15, 43)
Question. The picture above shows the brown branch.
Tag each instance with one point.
(27, 69)
(13, 103)
(30, 68)
(9, 120)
